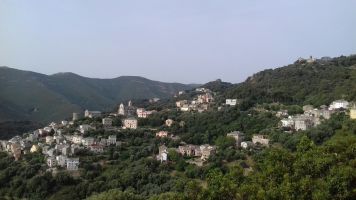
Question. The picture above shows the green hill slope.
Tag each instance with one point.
(32, 96)
(300, 83)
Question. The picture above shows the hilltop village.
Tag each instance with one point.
(64, 142)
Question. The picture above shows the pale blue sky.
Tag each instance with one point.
(172, 40)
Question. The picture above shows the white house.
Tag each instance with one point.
(96, 148)
(246, 144)
(61, 160)
(84, 128)
(51, 161)
(142, 113)
(339, 104)
(287, 122)
(163, 153)
(72, 164)
(88, 141)
(92, 114)
(77, 139)
(111, 140)
(231, 102)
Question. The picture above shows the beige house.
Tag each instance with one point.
(75, 116)
(353, 113)
(302, 123)
(49, 139)
(34, 148)
(162, 134)
(130, 123)
(16, 150)
(169, 122)
(189, 150)
(260, 139)
(180, 104)
(207, 151)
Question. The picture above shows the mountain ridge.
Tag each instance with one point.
(27, 95)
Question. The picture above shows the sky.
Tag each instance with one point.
(188, 41)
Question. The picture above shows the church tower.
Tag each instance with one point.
(121, 110)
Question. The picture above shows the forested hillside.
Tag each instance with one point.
(301, 83)
(32, 96)
(317, 163)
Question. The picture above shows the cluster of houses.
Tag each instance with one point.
(311, 116)
(203, 152)
(58, 146)
(313, 60)
(257, 139)
(132, 111)
(200, 103)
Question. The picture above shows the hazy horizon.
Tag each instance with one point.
(171, 41)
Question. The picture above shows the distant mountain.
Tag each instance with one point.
(314, 82)
(26, 95)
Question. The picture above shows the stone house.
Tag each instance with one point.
(162, 153)
(237, 135)
(260, 139)
(130, 123)
(207, 151)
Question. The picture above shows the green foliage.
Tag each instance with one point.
(316, 83)
(115, 194)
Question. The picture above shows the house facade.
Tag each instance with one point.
(338, 104)
(130, 123)
(260, 139)
(169, 122)
(237, 135)
(107, 122)
(92, 114)
(231, 102)
(162, 134)
(72, 164)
